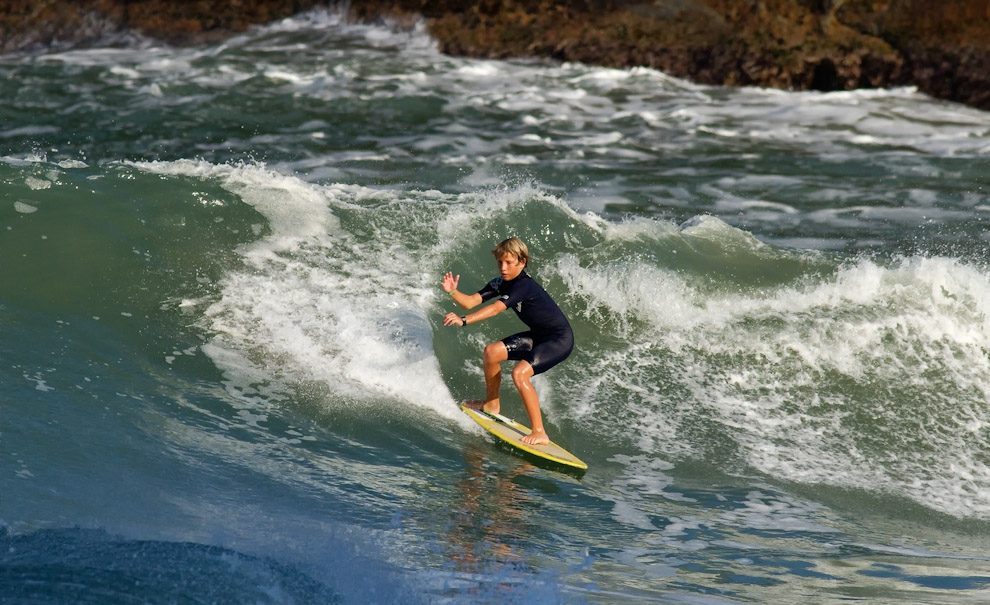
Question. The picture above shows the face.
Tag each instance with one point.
(510, 267)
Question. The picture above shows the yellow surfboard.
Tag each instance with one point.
(510, 431)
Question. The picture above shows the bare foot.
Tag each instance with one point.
(487, 406)
(537, 437)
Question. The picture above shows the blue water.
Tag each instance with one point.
(225, 376)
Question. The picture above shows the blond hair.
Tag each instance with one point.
(514, 246)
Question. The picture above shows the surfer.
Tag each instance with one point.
(548, 341)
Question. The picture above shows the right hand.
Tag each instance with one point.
(449, 282)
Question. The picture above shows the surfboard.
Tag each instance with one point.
(509, 431)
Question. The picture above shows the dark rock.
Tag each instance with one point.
(941, 47)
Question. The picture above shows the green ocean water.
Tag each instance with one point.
(225, 376)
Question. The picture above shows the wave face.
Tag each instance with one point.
(225, 359)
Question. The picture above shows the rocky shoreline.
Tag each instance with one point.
(942, 48)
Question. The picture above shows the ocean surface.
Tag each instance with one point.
(224, 376)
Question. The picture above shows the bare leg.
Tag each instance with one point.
(495, 354)
(521, 375)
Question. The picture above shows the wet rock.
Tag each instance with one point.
(26, 24)
(941, 47)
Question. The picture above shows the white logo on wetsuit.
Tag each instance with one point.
(505, 297)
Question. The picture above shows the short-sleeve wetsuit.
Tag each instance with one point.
(549, 339)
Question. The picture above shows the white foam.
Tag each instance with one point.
(874, 378)
(36, 184)
(317, 302)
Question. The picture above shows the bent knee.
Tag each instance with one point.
(495, 352)
(522, 372)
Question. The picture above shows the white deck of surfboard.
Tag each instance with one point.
(510, 431)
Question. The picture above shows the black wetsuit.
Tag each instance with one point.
(550, 339)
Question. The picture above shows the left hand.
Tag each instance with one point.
(452, 319)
